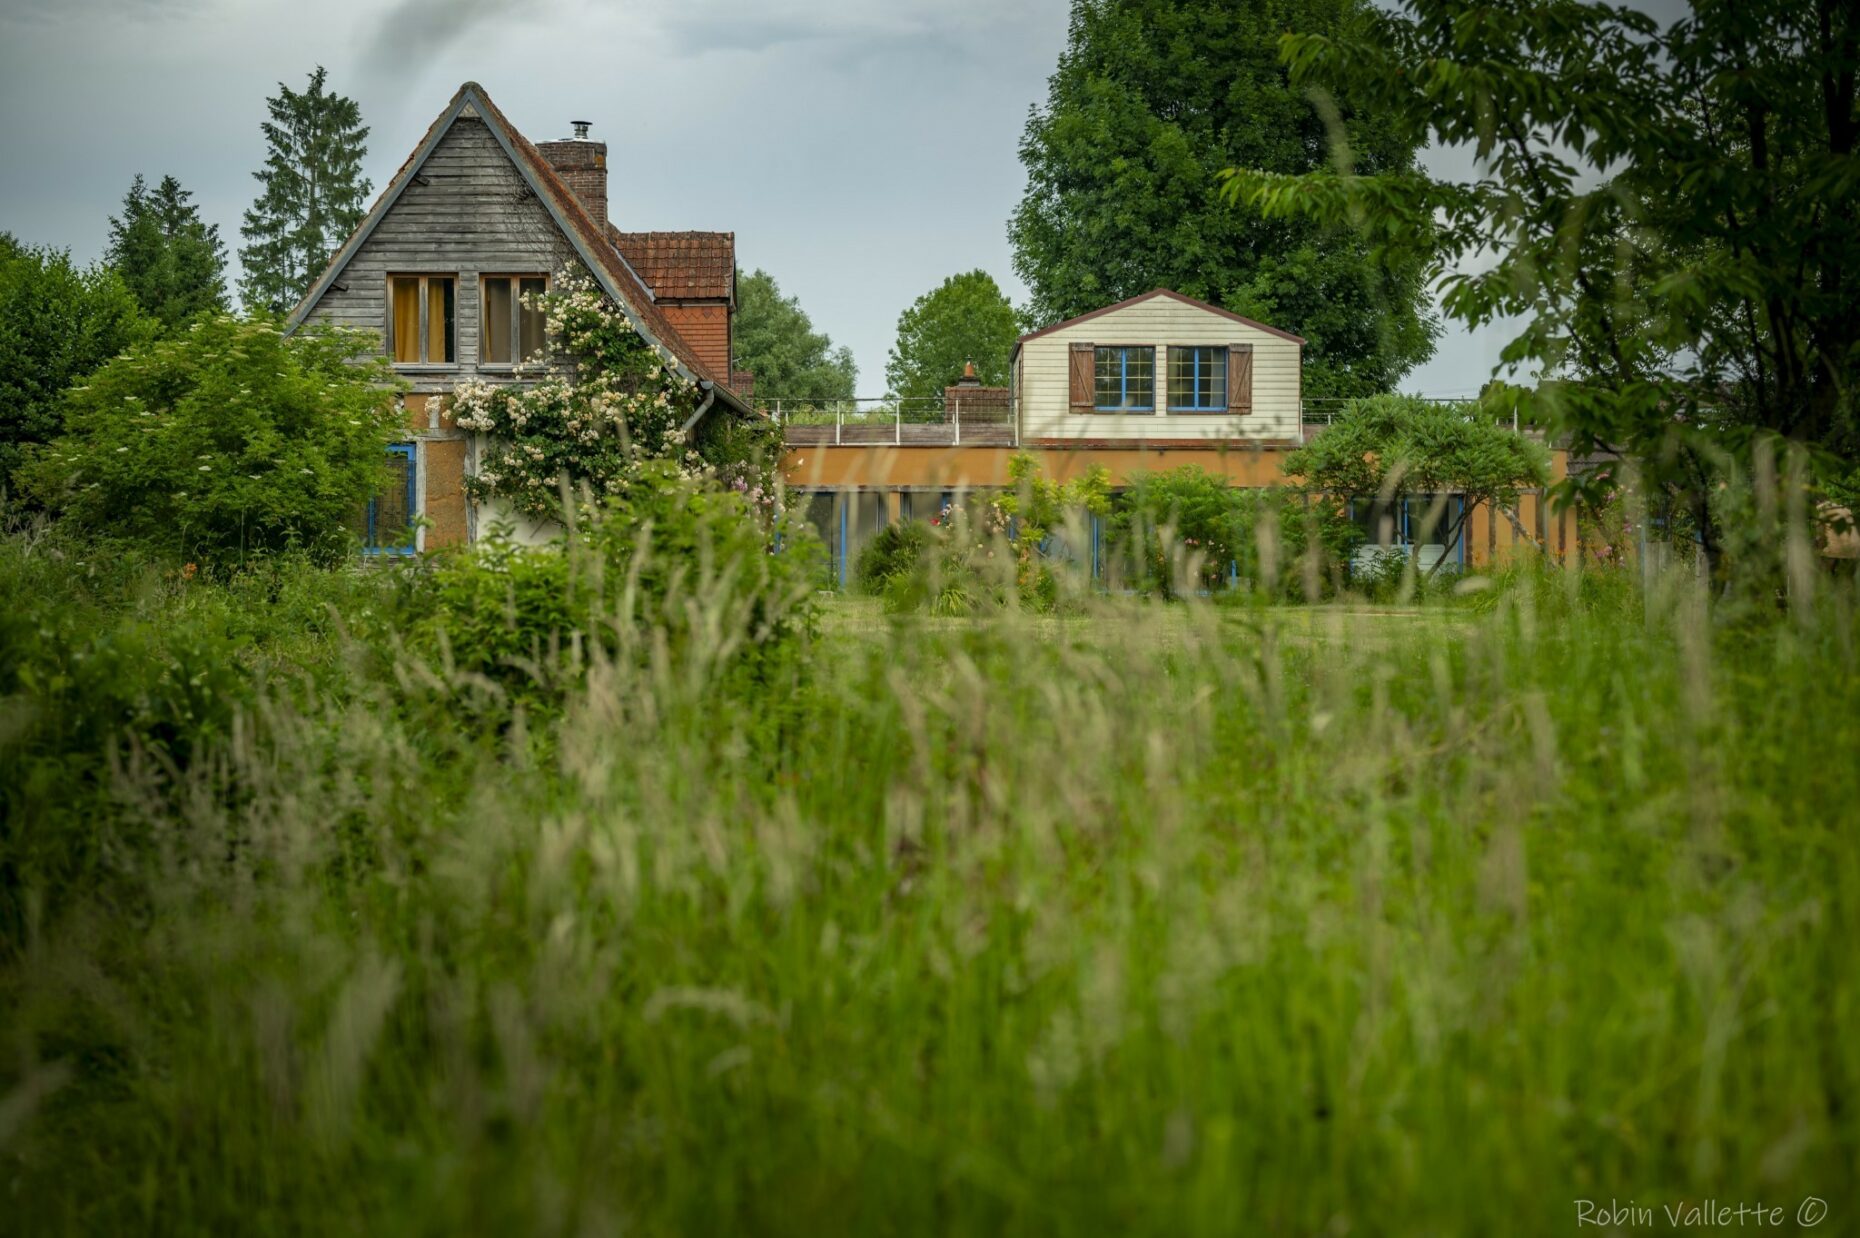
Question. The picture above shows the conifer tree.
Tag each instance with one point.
(173, 262)
(314, 194)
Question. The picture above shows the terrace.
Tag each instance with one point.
(933, 422)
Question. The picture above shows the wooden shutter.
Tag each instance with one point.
(1084, 377)
(1239, 378)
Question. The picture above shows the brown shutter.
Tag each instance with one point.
(1239, 378)
(1084, 371)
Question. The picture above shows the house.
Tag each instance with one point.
(1148, 384)
(476, 218)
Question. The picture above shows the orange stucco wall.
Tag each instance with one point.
(1490, 536)
(887, 467)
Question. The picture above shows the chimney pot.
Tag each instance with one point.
(581, 129)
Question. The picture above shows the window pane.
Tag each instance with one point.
(1140, 381)
(439, 320)
(1198, 378)
(532, 330)
(390, 509)
(1125, 379)
(406, 319)
(496, 345)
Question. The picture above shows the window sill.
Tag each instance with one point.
(1201, 412)
(425, 367)
(1125, 412)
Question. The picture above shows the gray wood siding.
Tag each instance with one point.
(475, 217)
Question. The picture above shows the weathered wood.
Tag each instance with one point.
(477, 216)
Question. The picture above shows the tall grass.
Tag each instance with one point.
(1162, 919)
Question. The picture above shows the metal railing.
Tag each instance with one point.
(1317, 414)
(927, 422)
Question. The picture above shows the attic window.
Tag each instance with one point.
(422, 319)
(509, 320)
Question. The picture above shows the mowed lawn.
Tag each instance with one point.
(1163, 919)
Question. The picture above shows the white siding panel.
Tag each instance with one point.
(1045, 390)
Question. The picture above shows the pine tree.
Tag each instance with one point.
(313, 196)
(172, 261)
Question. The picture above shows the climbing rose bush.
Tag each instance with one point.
(601, 405)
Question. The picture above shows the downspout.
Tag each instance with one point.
(701, 409)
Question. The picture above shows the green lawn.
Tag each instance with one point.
(1160, 919)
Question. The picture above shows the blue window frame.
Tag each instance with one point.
(1126, 380)
(1198, 380)
(390, 513)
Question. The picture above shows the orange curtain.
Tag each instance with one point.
(407, 320)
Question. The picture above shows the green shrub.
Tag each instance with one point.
(897, 550)
(671, 566)
(1188, 529)
(225, 442)
(57, 324)
(112, 660)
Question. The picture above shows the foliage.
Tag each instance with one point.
(1144, 920)
(57, 323)
(631, 580)
(314, 194)
(109, 657)
(173, 263)
(898, 549)
(1387, 448)
(776, 341)
(967, 318)
(1186, 529)
(1669, 210)
(1150, 100)
(596, 413)
(225, 441)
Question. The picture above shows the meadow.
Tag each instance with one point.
(1150, 918)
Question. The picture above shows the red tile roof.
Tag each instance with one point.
(637, 295)
(682, 266)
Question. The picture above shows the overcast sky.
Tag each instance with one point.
(861, 150)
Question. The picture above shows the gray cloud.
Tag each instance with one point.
(415, 32)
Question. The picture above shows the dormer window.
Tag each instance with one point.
(422, 320)
(513, 325)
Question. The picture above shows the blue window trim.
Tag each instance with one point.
(1220, 406)
(406, 452)
(1123, 352)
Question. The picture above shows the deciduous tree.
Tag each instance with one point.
(776, 341)
(1151, 100)
(58, 322)
(1673, 212)
(966, 318)
(1388, 448)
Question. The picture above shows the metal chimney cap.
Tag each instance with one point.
(581, 129)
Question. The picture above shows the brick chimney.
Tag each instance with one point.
(582, 165)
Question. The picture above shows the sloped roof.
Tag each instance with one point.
(681, 266)
(596, 250)
(1148, 296)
